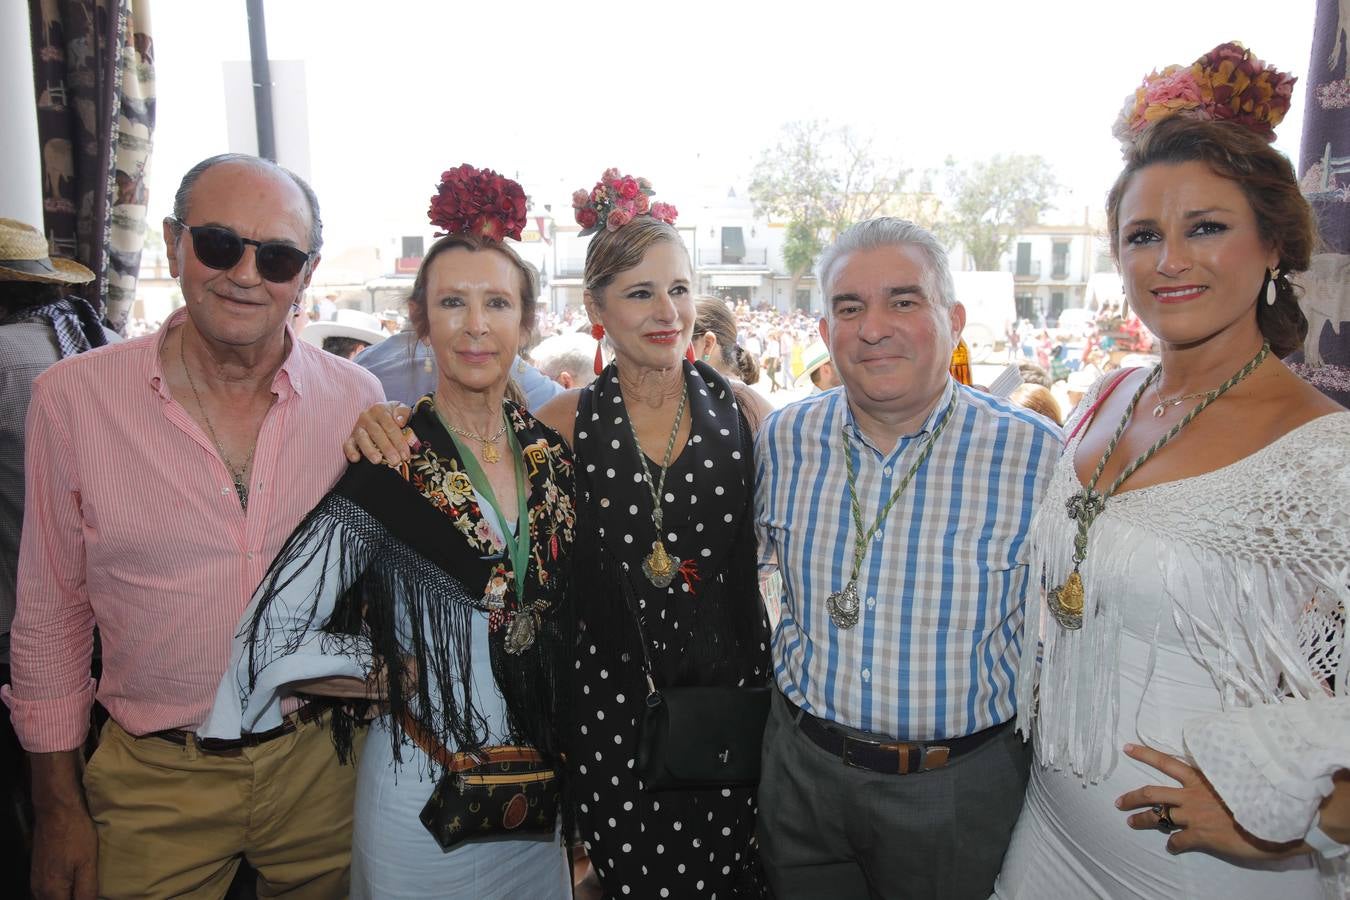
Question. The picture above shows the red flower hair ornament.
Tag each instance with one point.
(615, 201)
(478, 202)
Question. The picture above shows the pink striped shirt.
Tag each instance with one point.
(132, 523)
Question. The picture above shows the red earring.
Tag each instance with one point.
(689, 353)
(598, 332)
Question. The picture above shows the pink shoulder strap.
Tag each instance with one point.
(1101, 398)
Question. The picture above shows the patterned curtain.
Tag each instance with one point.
(93, 65)
(1324, 174)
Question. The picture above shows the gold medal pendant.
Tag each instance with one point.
(490, 454)
(659, 566)
(1066, 602)
(844, 606)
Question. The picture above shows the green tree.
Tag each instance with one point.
(820, 179)
(800, 249)
(991, 200)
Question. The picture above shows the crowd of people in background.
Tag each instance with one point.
(666, 596)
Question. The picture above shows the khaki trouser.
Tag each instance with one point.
(172, 821)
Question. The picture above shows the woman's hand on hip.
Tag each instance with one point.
(1199, 818)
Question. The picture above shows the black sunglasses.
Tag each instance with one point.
(220, 248)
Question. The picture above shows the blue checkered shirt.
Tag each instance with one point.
(935, 650)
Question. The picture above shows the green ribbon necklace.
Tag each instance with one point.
(521, 631)
(1086, 504)
(845, 606)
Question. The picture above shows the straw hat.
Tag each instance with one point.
(813, 358)
(23, 257)
(349, 323)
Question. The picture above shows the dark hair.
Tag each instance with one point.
(23, 294)
(612, 252)
(713, 316)
(343, 346)
(529, 280)
(180, 199)
(1266, 177)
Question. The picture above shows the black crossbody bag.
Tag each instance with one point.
(697, 737)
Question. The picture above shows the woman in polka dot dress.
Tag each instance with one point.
(705, 625)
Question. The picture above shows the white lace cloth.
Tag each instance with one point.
(1272, 764)
(1214, 605)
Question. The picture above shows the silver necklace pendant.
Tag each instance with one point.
(844, 606)
(520, 633)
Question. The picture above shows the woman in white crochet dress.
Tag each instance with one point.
(1189, 706)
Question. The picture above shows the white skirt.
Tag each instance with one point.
(394, 856)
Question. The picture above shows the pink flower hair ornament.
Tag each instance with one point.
(478, 202)
(615, 201)
(1229, 83)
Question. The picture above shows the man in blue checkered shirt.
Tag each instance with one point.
(896, 509)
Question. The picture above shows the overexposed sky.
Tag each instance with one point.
(685, 92)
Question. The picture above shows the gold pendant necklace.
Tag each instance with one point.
(490, 454)
(1068, 601)
(659, 566)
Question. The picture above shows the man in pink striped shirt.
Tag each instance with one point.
(163, 474)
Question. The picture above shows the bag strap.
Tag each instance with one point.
(466, 759)
(626, 588)
(1101, 398)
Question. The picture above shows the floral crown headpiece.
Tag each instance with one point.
(1226, 84)
(615, 201)
(478, 202)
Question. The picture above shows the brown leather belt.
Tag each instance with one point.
(889, 757)
(310, 713)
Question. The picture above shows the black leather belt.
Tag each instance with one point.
(311, 713)
(889, 758)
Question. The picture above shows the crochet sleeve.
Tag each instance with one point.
(1273, 764)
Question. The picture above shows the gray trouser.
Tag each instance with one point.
(830, 830)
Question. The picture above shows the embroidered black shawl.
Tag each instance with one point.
(414, 562)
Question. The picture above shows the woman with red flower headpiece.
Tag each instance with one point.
(1193, 677)
(665, 535)
(448, 569)
(668, 593)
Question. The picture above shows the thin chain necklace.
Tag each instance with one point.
(490, 453)
(659, 566)
(240, 474)
(1164, 405)
(1086, 504)
(845, 606)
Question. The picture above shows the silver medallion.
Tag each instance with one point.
(844, 606)
(520, 633)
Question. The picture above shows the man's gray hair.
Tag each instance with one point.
(888, 231)
(180, 199)
(560, 353)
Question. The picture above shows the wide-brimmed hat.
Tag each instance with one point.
(813, 358)
(23, 257)
(349, 323)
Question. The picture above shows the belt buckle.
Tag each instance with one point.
(935, 757)
(909, 757)
(219, 745)
(846, 751)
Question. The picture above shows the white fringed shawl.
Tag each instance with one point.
(1256, 562)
